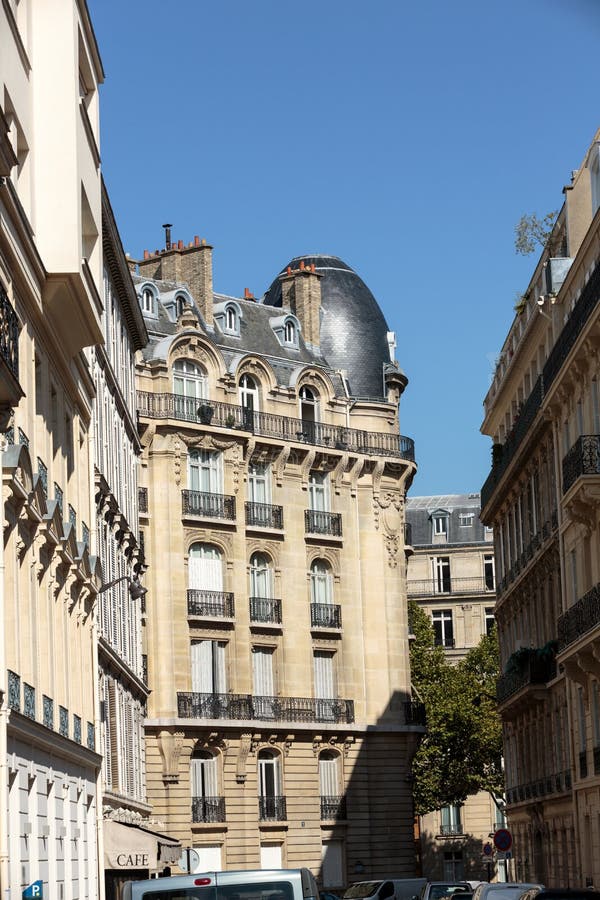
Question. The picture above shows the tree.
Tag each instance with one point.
(461, 752)
(531, 231)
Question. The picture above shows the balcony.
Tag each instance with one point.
(452, 830)
(333, 808)
(208, 506)
(192, 705)
(10, 389)
(582, 459)
(324, 523)
(534, 669)
(430, 587)
(325, 615)
(557, 783)
(208, 809)
(265, 610)
(582, 617)
(264, 515)
(218, 604)
(228, 415)
(272, 809)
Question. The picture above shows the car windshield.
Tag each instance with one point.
(361, 889)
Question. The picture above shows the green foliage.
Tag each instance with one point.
(531, 232)
(461, 752)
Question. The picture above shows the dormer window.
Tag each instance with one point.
(287, 329)
(289, 333)
(180, 304)
(147, 301)
(228, 316)
(231, 323)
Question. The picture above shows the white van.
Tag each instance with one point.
(386, 889)
(255, 884)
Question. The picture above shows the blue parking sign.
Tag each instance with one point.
(35, 891)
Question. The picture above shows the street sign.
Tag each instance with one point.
(503, 854)
(189, 860)
(35, 891)
(502, 839)
(487, 849)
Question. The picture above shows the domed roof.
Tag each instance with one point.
(353, 328)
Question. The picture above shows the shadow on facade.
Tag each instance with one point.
(455, 858)
(372, 836)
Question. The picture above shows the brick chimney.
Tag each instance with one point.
(191, 265)
(301, 294)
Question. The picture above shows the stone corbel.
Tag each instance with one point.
(575, 673)
(279, 467)
(243, 751)
(317, 744)
(355, 473)
(348, 742)
(338, 472)
(589, 662)
(170, 745)
(305, 468)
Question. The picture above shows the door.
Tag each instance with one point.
(332, 867)
(271, 856)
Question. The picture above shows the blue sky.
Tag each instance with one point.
(406, 137)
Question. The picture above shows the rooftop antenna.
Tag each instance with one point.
(167, 226)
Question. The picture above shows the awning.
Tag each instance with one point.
(132, 847)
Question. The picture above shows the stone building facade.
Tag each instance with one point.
(451, 575)
(50, 274)
(280, 725)
(542, 412)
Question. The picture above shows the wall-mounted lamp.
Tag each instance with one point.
(136, 591)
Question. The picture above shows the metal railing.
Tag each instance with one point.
(414, 713)
(318, 522)
(580, 618)
(265, 609)
(210, 603)
(333, 807)
(9, 333)
(264, 515)
(454, 829)
(208, 809)
(536, 670)
(229, 415)
(325, 615)
(556, 783)
(426, 587)
(210, 506)
(582, 459)
(193, 705)
(272, 809)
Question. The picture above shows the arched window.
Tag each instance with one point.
(207, 806)
(147, 301)
(271, 802)
(329, 783)
(249, 399)
(321, 582)
(189, 381)
(205, 581)
(289, 333)
(261, 576)
(309, 405)
(231, 320)
(180, 304)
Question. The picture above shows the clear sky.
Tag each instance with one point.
(405, 137)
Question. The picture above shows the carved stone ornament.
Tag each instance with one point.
(338, 472)
(306, 467)
(392, 504)
(355, 473)
(243, 750)
(279, 467)
(170, 745)
(392, 543)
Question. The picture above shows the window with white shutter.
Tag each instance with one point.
(321, 582)
(205, 568)
(208, 667)
(205, 471)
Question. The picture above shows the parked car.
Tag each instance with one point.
(435, 890)
(387, 889)
(502, 890)
(328, 895)
(462, 895)
(560, 894)
(257, 884)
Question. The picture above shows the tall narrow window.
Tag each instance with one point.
(332, 801)
(440, 525)
(596, 713)
(308, 405)
(443, 627)
(489, 572)
(261, 576)
(289, 333)
(205, 471)
(269, 786)
(203, 777)
(318, 491)
(259, 483)
(325, 685)
(451, 820)
(249, 400)
(490, 619)
(321, 582)
(208, 667)
(595, 406)
(189, 385)
(263, 682)
(441, 574)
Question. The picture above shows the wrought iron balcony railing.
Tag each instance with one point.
(208, 809)
(318, 522)
(557, 783)
(264, 515)
(210, 603)
(272, 809)
(453, 829)
(582, 459)
(210, 506)
(143, 499)
(266, 610)
(228, 415)
(536, 670)
(193, 705)
(426, 587)
(333, 807)
(325, 615)
(582, 617)
(9, 334)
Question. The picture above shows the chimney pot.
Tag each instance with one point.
(146, 254)
(196, 241)
(180, 245)
(289, 270)
(312, 267)
(301, 263)
(156, 253)
(204, 242)
(190, 244)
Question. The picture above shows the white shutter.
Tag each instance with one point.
(328, 777)
(262, 672)
(205, 569)
(270, 856)
(209, 858)
(332, 865)
(202, 670)
(323, 665)
(219, 670)
(204, 776)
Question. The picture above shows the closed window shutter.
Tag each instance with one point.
(328, 777)
(205, 569)
(262, 672)
(324, 682)
(202, 679)
(204, 777)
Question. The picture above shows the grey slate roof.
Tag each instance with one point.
(419, 511)
(353, 327)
